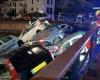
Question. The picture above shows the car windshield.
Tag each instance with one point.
(4, 74)
(5, 39)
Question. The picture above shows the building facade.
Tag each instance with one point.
(42, 6)
(29, 6)
(16, 6)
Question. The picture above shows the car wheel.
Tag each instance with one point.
(38, 30)
(20, 42)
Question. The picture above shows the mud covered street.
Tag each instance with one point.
(11, 27)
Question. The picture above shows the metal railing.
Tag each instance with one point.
(67, 66)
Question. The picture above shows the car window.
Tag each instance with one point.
(62, 26)
(6, 39)
(4, 74)
(65, 46)
(0, 43)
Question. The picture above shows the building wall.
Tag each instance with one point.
(43, 6)
(34, 5)
(10, 5)
(17, 5)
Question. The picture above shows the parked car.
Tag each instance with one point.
(27, 60)
(35, 27)
(7, 42)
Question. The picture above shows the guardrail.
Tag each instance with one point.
(67, 65)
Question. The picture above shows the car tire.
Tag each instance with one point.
(20, 42)
(38, 30)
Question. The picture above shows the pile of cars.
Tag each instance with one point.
(37, 46)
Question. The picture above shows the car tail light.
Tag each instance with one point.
(41, 40)
(56, 48)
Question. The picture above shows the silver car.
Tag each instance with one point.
(8, 42)
(35, 27)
